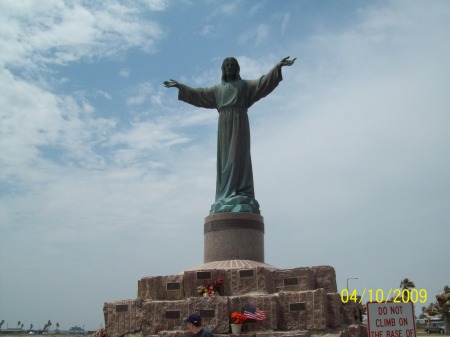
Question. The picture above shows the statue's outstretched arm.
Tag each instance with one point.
(171, 84)
(286, 62)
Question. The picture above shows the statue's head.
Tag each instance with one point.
(230, 70)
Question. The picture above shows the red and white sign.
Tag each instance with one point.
(389, 319)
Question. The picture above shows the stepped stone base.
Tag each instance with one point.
(296, 302)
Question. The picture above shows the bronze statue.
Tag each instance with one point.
(232, 98)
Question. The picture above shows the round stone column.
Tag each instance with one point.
(234, 236)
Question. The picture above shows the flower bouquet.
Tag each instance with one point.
(238, 318)
(211, 289)
(218, 283)
(99, 333)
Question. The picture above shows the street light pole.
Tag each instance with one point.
(352, 278)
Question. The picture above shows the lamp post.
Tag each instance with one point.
(351, 278)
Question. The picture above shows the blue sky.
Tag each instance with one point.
(106, 177)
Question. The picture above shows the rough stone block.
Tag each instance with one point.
(254, 280)
(266, 303)
(301, 310)
(163, 315)
(350, 312)
(194, 278)
(335, 317)
(123, 317)
(325, 278)
(161, 288)
(357, 330)
(212, 310)
(298, 279)
(341, 333)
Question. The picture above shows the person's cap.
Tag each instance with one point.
(194, 319)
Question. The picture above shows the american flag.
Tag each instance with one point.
(253, 312)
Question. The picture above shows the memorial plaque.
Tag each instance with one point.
(207, 313)
(293, 281)
(173, 286)
(246, 273)
(203, 275)
(172, 314)
(297, 306)
(121, 307)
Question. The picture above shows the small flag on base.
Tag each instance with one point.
(253, 312)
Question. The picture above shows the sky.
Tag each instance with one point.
(106, 177)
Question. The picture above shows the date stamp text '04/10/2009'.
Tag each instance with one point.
(380, 296)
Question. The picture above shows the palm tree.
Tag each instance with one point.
(443, 302)
(433, 309)
(57, 326)
(407, 284)
(18, 324)
(1, 323)
(31, 326)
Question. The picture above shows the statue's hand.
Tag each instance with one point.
(286, 62)
(171, 84)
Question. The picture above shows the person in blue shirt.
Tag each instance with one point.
(194, 324)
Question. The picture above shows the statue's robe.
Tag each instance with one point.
(234, 185)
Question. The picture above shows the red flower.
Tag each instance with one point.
(238, 318)
(211, 289)
(219, 282)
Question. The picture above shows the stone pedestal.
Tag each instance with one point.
(234, 236)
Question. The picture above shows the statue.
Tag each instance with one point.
(232, 98)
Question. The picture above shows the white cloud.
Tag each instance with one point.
(144, 138)
(143, 93)
(34, 119)
(256, 8)
(262, 31)
(29, 117)
(56, 32)
(255, 68)
(255, 35)
(155, 5)
(207, 29)
(228, 9)
(125, 73)
(102, 94)
(285, 22)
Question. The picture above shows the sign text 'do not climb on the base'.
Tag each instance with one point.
(391, 319)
